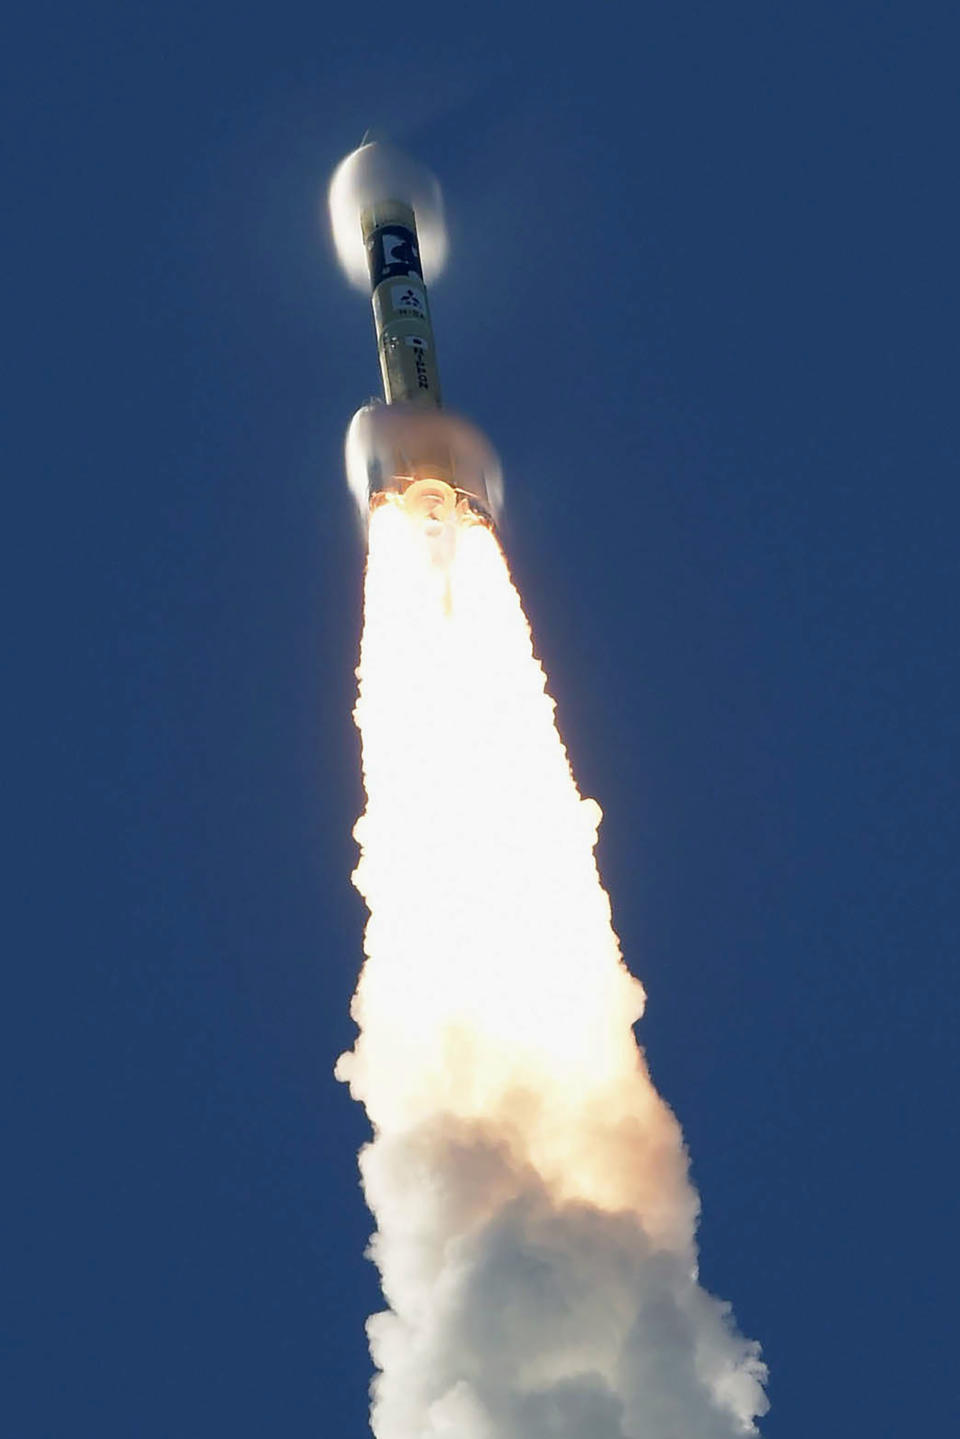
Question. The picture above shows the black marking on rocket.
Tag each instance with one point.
(392, 253)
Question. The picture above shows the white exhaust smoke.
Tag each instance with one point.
(535, 1221)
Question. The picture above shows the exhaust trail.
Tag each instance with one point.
(535, 1222)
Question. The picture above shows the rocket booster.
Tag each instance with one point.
(438, 463)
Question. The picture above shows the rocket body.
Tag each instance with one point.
(438, 463)
(401, 312)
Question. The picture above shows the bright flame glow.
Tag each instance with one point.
(535, 1218)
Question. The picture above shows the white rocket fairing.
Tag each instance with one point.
(440, 464)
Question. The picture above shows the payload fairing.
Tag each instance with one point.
(438, 462)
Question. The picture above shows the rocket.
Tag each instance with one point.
(439, 465)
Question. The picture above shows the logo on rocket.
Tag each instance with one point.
(405, 297)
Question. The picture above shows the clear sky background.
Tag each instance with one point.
(701, 298)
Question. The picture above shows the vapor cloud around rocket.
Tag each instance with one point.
(375, 173)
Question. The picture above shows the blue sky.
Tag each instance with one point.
(700, 298)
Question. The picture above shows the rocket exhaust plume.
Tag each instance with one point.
(535, 1223)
